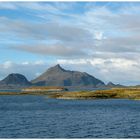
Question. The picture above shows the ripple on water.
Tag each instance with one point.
(37, 117)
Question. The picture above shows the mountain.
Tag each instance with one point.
(112, 85)
(57, 76)
(15, 79)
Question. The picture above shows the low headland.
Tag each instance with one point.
(63, 93)
(35, 90)
(114, 93)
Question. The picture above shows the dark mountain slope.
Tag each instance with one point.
(15, 79)
(57, 76)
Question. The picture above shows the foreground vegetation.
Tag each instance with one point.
(126, 93)
(62, 93)
(36, 91)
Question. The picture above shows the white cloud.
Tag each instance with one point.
(7, 64)
(76, 61)
(99, 35)
(7, 5)
(25, 63)
(39, 62)
(37, 74)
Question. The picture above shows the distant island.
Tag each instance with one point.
(57, 83)
(56, 76)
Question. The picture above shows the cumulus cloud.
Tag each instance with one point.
(7, 65)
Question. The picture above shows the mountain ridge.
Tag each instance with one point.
(57, 76)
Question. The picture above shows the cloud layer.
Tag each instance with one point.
(100, 38)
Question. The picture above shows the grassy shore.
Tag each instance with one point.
(30, 93)
(36, 91)
(43, 88)
(116, 93)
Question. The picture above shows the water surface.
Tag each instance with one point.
(30, 116)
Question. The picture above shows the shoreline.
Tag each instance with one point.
(114, 93)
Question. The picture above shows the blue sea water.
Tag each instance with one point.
(30, 116)
(9, 90)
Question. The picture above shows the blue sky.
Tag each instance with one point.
(101, 38)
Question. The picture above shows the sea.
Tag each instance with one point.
(34, 116)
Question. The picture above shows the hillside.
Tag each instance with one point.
(15, 79)
(57, 76)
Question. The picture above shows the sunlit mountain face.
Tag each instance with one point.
(100, 38)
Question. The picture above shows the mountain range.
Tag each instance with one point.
(56, 76)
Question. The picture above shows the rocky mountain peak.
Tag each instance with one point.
(56, 68)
